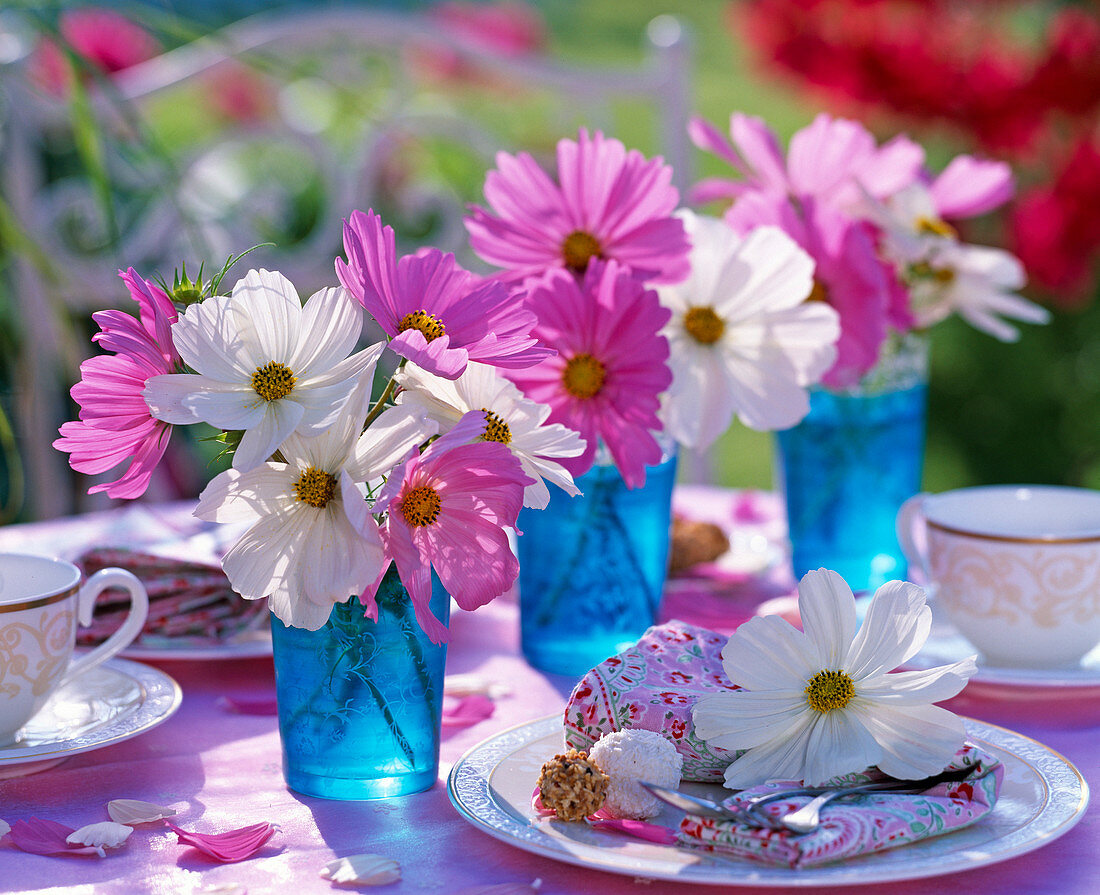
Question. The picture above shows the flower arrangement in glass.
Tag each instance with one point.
(350, 513)
(876, 223)
(637, 370)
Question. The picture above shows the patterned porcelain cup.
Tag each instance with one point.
(1015, 568)
(41, 600)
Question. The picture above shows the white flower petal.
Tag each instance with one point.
(387, 442)
(838, 744)
(233, 496)
(105, 834)
(779, 275)
(768, 653)
(895, 627)
(207, 337)
(135, 811)
(744, 719)
(274, 309)
(262, 440)
(781, 758)
(165, 396)
(362, 870)
(224, 406)
(916, 741)
(5, 828)
(919, 687)
(828, 611)
(331, 324)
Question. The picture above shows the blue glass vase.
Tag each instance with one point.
(360, 700)
(846, 469)
(592, 567)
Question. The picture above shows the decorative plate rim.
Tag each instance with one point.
(1065, 800)
(161, 697)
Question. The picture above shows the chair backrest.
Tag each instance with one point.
(357, 108)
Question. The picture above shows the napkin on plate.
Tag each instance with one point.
(654, 685)
(189, 602)
(872, 823)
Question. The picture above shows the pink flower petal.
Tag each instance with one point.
(46, 837)
(639, 829)
(233, 845)
(468, 710)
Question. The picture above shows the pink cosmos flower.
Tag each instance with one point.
(970, 186)
(832, 160)
(115, 423)
(448, 508)
(608, 203)
(438, 315)
(848, 274)
(611, 365)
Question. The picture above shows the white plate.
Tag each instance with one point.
(256, 646)
(945, 645)
(1042, 797)
(111, 703)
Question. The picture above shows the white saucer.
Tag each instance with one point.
(111, 703)
(945, 645)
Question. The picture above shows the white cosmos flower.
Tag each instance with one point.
(823, 703)
(742, 339)
(512, 419)
(314, 541)
(264, 363)
(910, 222)
(976, 282)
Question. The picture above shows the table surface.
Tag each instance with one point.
(221, 769)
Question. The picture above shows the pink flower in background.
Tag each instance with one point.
(611, 365)
(115, 423)
(831, 160)
(438, 315)
(608, 204)
(848, 275)
(970, 186)
(448, 508)
(105, 39)
(506, 29)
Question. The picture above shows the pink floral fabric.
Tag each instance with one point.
(653, 686)
(874, 822)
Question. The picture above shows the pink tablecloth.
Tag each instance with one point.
(222, 770)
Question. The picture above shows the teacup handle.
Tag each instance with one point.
(124, 636)
(910, 521)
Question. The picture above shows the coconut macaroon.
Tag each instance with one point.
(627, 756)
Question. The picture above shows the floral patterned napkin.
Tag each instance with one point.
(872, 823)
(654, 685)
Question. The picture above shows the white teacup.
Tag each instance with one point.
(41, 600)
(1016, 568)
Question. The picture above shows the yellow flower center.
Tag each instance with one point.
(925, 271)
(431, 327)
(935, 227)
(578, 248)
(421, 506)
(315, 487)
(495, 428)
(818, 292)
(704, 325)
(583, 376)
(273, 381)
(829, 690)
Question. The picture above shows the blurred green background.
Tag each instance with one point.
(1023, 412)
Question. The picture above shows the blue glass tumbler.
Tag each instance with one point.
(592, 568)
(846, 469)
(360, 700)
